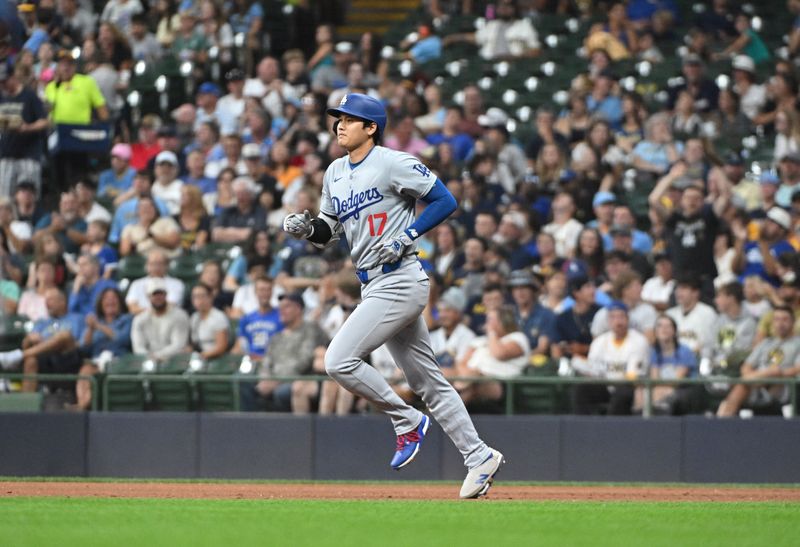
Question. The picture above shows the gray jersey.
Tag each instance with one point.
(374, 200)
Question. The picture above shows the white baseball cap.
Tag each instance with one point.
(156, 284)
(167, 157)
(744, 62)
(781, 217)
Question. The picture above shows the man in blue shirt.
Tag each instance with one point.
(536, 321)
(461, 143)
(602, 103)
(258, 327)
(87, 286)
(119, 177)
(760, 257)
(52, 346)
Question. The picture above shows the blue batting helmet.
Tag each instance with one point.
(361, 106)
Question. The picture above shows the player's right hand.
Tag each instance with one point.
(298, 226)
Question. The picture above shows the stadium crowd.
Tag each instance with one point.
(615, 233)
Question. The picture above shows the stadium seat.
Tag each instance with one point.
(13, 329)
(21, 402)
(173, 395)
(131, 267)
(223, 395)
(125, 395)
(539, 398)
(186, 267)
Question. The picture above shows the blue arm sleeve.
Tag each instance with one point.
(441, 205)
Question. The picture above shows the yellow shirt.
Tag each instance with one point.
(73, 101)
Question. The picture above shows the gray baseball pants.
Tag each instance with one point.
(390, 313)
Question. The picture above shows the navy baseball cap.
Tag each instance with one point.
(295, 297)
(210, 88)
(617, 305)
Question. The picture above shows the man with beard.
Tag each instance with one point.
(64, 224)
(161, 331)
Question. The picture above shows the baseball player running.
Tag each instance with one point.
(370, 196)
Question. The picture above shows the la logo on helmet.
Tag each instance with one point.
(343, 101)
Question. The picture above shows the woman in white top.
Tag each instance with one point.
(150, 232)
(503, 353)
(210, 329)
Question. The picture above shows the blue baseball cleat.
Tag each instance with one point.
(408, 444)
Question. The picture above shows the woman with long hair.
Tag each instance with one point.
(787, 132)
(632, 127)
(325, 38)
(32, 302)
(671, 360)
(575, 120)
(589, 250)
(107, 334)
(257, 248)
(192, 219)
(150, 231)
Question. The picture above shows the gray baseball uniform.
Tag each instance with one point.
(374, 201)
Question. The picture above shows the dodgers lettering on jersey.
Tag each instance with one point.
(374, 200)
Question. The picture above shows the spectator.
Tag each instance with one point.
(290, 353)
(79, 22)
(693, 224)
(209, 328)
(622, 240)
(23, 121)
(192, 220)
(27, 208)
(162, 330)
(402, 136)
(493, 297)
(702, 89)
(167, 185)
(735, 329)
(87, 286)
(514, 235)
(237, 222)
(107, 330)
(32, 302)
(694, 318)
(728, 120)
(573, 334)
(790, 180)
(564, 228)
(533, 319)
(88, 208)
(144, 45)
(208, 94)
(433, 120)
(190, 43)
(52, 346)
(657, 291)
(451, 133)
(121, 13)
(150, 232)
(617, 36)
(127, 203)
(787, 134)
(658, 151)
(325, 40)
(16, 234)
(631, 131)
(138, 297)
(230, 107)
(146, 146)
(760, 257)
(65, 224)
(451, 340)
(218, 201)
(196, 166)
(211, 277)
(685, 122)
(96, 238)
(169, 140)
(748, 42)
(602, 102)
(671, 360)
(119, 177)
(258, 327)
(753, 96)
(572, 125)
(627, 288)
(509, 36)
(503, 353)
(620, 353)
(589, 253)
(775, 357)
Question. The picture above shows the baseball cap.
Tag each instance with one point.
(251, 150)
(576, 282)
(661, 255)
(234, 75)
(733, 158)
(454, 298)
(781, 217)
(618, 254)
(743, 62)
(617, 305)
(522, 278)
(620, 230)
(167, 157)
(122, 151)
(692, 59)
(602, 197)
(295, 297)
(167, 131)
(690, 279)
(793, 157)
(209, 87)
(494, 117)
(516, 218)
(65, 55)
(343, 47)
(769, 177)
(155, 285)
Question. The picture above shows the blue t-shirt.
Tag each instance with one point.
(107, 256)
(108, 180)
(461, 143)
(38, 37)
(257, 329)
(754, 262)
(119, 344)
(69, 246)
(83, 301)
(207, 185)
(609, 109)
(540, 322)
(71, 322)
(667, 365)
(126, 214)
(427, 49)
(642, 242)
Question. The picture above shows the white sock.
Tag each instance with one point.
(10, 359)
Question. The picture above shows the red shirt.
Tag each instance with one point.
(141, 154)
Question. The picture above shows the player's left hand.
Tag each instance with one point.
(392, 250)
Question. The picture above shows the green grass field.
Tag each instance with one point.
(156, 522)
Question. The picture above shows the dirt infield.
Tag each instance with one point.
(391, 491)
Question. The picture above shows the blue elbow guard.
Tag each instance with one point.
(441, 204)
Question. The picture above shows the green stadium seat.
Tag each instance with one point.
(539, 398)
(173, 395)
(21, 402)
(131, 267)
(125, 395)
(220, 396)
(13, 329)
(186, 267)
